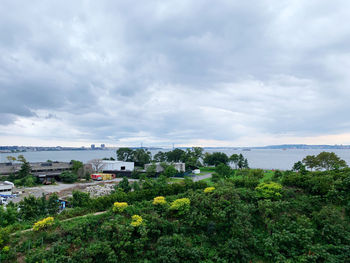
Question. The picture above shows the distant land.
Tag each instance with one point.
(14, 149)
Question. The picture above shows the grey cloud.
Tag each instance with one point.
(177, 70)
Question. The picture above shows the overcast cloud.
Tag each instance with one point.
(209, 73)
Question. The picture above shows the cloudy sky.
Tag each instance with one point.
(207, 73)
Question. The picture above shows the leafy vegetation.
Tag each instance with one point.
(249, 216)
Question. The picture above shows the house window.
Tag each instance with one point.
(122, 168)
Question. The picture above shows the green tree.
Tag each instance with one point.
(25, 168)
(68, 177)
(170, 171)
(142, 157)
(223, 170)
(77, 167)
(242, 162)
(330, 161)
(125, 154)
(53, 204)
(310, 162)
(215, 158)
(80, 199)
(124, 184)
(299, 167)
(234, 158)
(30, 208)
(151, 170)
(160, 157)
(175, 155)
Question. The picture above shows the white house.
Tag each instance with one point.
(117, 166)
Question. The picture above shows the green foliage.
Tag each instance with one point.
(68, 177)
(28, 181)
(169, 171)
(160, 157)
(124, 185)
(77, 168)
(142, 157)
(223, 170)
(215, 158)
(271, 190)
(151, 170)
(181, 205)
(309, 222)
(125, 154)
(324, 160)
(80, 199)
(175, 155)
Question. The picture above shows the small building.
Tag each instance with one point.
(6, 188)
(117, 166)
(180, 167)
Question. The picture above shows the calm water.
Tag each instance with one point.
(266, 159)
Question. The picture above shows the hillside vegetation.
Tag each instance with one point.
(289, 217)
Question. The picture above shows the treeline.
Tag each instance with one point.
(192, 157)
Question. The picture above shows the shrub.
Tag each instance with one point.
(209, 189)
(42, 224)
(159, 200)
(68, 177)
(136, 220)
(119, 206)
(269, 190)
(6, 249)
(181, 205)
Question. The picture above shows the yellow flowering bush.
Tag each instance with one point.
(209, 189)
(136, 220)
(181, 205)
(46, 222)
(159, 200)
(269, 190)
(119, 206)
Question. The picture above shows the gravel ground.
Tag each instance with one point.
(60, 188)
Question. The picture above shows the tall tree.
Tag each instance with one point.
(160, 157)
(310, 161)
(234, 158)
(215, 158)
(142, 157)
(175, 155)
(125, 154)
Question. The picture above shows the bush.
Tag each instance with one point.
(269, 190)
(136, 220)
(209, 189)
(119, 206)
(68, 177)
(42, 224)
(181, 205)
(159, 200)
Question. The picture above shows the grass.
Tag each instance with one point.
(207, 169)
(175, 179)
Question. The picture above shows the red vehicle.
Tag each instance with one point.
(97, 177)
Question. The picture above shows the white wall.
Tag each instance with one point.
(5, 189)
(117, 165)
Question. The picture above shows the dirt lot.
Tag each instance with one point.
(60, 188)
